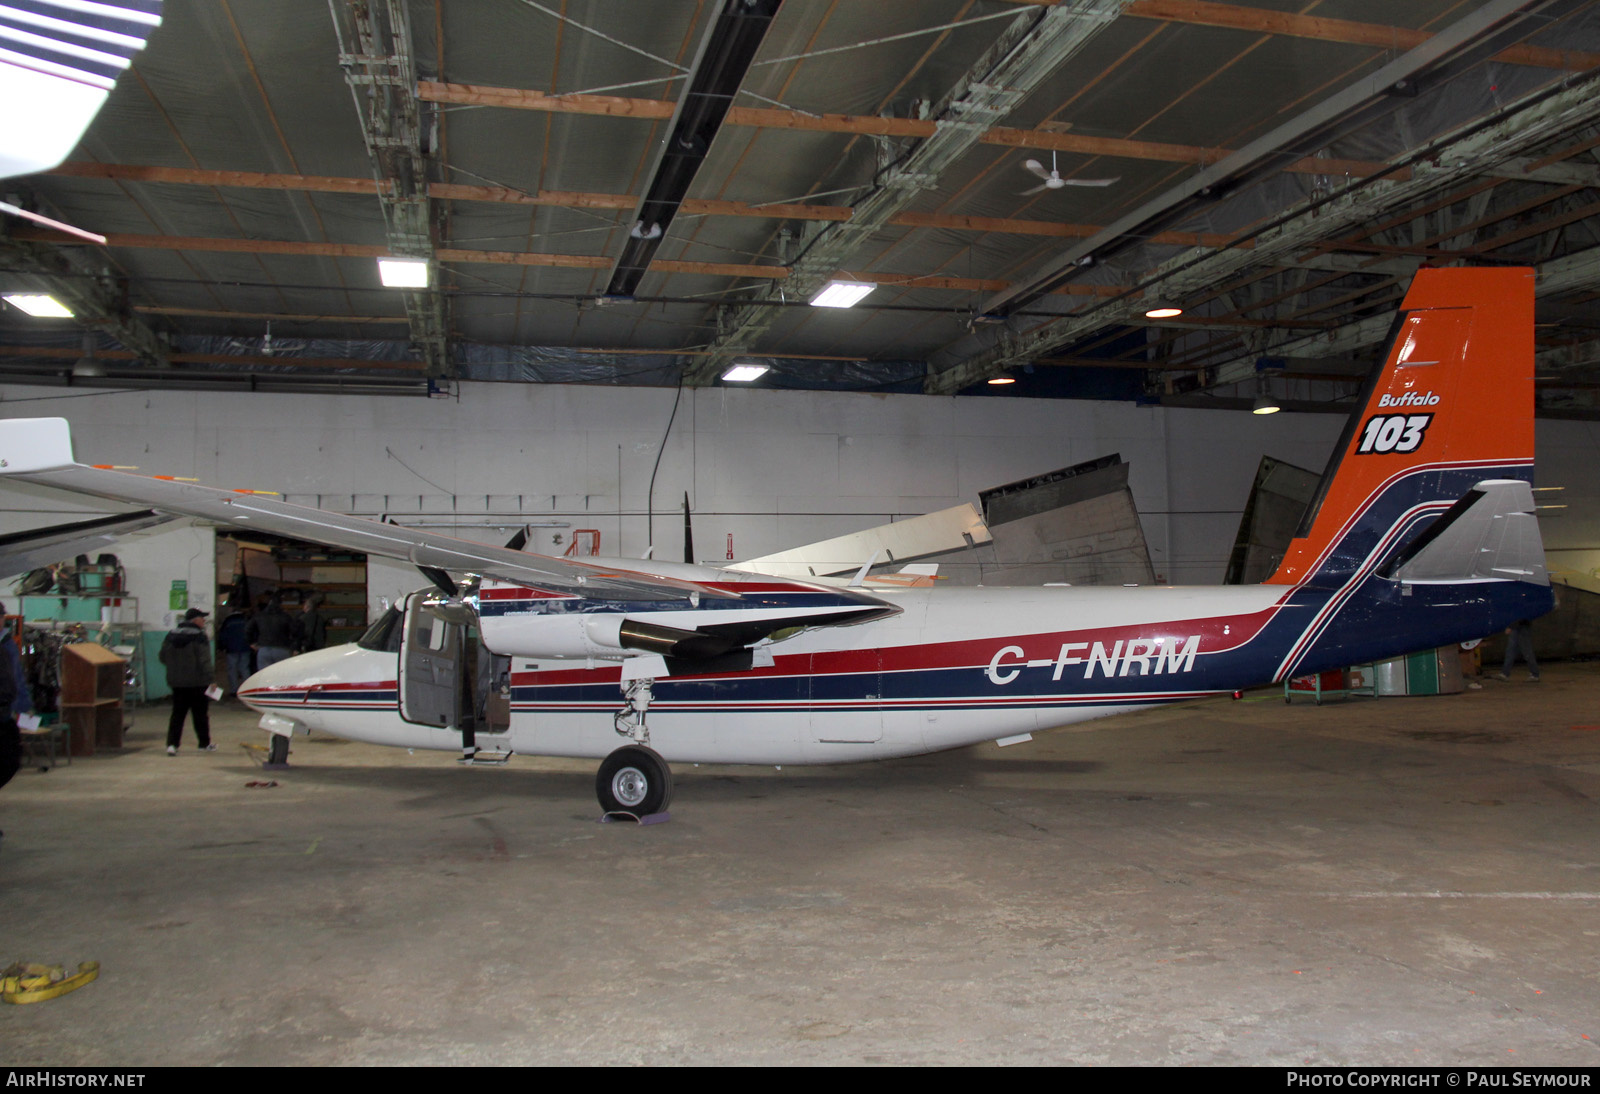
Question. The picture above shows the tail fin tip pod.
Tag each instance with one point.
(34, 444)
(1450, 405)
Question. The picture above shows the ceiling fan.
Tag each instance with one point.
(1053, 180)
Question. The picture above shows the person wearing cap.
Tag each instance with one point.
(186, 653)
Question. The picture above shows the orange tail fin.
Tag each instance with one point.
(1450, 405)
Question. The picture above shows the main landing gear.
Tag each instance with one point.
(634, 780)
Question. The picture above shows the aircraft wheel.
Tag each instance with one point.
(634, 780)
(278, 751)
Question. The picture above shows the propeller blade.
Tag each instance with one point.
(1037, 168)
(1035, 190)
(441, 579)
(1089, 182)
(688, 531)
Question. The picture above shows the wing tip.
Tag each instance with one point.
(34, 444)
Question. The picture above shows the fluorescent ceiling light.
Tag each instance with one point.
(403, 273)
(1163, 311)
(39, 304)
(997, 380)
(745, 372)
(842, 294)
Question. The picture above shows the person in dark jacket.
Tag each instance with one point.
(236, 649)
(313, 626)
(10, 736)
(273, 634)
(187, 655)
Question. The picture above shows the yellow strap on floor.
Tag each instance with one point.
(30, 983)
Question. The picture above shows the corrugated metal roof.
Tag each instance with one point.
(1156, 94)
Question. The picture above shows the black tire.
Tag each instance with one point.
(634, 780)
(278, 751)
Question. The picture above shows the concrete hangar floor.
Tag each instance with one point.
(1399, 881)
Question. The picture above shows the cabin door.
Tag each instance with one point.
(431, 651)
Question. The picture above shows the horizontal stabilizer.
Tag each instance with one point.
(918, 575)
(1490, 533)
(916, 537)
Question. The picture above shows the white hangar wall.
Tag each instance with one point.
(1569, 458)
(771, 469)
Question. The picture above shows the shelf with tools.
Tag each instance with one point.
(252, 567)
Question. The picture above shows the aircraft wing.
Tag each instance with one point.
(39, 450)
(24, 551)
(57, 68)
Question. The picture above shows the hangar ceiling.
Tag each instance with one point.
(617, 192)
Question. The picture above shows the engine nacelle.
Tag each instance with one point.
(602, 635)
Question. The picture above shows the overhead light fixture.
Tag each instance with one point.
(842, 294)
(403, 273)
(88, 366)
(41, 305)
(1265, 403)
(745, 371)
(998, 380)
(1163, 311)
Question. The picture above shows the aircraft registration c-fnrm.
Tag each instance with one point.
(1422, 533)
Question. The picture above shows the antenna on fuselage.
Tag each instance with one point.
(861, 574)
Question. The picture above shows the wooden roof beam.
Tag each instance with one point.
(193, 176)
(523, 258)
(365, 250)
(1318, 28)
(276, 317)
(71, 354)
(575, 199)
(867, 125)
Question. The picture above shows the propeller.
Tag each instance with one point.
(1053, 180)
(688, 531)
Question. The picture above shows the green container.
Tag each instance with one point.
(68, 609)
(1422, 673)
(155, 673)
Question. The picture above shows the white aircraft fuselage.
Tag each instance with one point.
(1422, 533)
(952, 668)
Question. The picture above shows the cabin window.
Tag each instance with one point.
(438, 631)
(384, 635)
